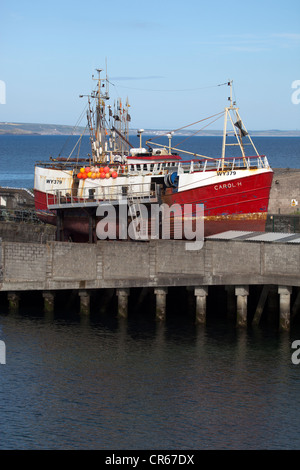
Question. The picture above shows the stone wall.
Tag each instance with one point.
(113, 264)
(285, 187)
(26, 232)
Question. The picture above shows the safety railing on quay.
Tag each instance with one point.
(19, 215)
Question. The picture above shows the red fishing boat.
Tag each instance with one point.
(233, 190)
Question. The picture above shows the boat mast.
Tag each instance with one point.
(100, 143)
(227, 116)
(105, 142)
(230, 111)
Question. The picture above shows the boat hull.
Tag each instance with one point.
(230, 203)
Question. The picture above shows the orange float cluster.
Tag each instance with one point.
(97, 172)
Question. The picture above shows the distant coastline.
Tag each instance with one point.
(15, 128)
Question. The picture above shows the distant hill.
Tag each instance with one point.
(16, 128)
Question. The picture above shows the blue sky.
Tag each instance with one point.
(166, 56)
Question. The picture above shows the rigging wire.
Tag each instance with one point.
(74, 127)
(188, 125)
(176, 130)
(204, 127)
(201, 120)
(168, 90)
(78, 142)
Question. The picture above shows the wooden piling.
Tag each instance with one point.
(48, 301)
(201, 294)
(296, 306)
(241, 293)
(122, 295)
(13, 301)
(161, 300)
(260, 305)
(284, 307)
(84, 302)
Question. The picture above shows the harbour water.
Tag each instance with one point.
(106, 384)
(101, 383)
(18, 154)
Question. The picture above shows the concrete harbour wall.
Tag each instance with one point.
(112, 264)
(285, 188)
(236, 267)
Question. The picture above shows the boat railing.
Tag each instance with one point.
(92, 196)
(228, 164)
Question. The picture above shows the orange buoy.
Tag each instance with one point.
(106, 169)
(79, 176)
(102, 175)
(114, 174)
(101, 169)
(84, 176)
(87, 169)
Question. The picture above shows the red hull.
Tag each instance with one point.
(239, 204)
(241, 196)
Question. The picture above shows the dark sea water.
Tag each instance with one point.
(18, 154)
(102, 383)
(106, 385)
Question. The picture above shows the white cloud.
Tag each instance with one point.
(249, 42)
(293, 36)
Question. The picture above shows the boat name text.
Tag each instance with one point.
(217, 187)
(54, 181)
(226, 173)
